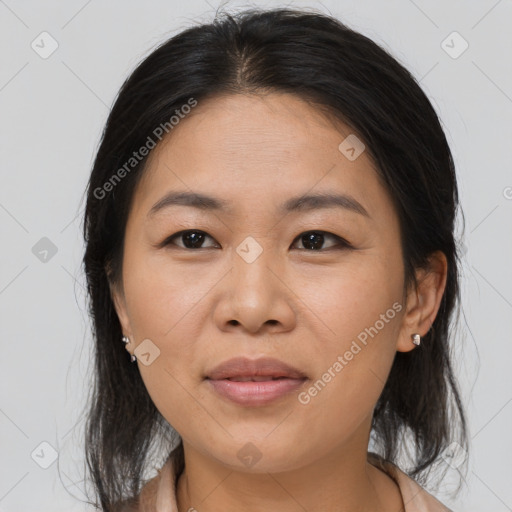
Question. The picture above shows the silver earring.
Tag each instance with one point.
(126, 340)
(416, 339)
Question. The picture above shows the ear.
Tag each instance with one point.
(118, 298)
(423, 302)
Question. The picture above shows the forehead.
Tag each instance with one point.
(255, 151)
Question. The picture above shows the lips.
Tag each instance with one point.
(252, 383)
(241, 369)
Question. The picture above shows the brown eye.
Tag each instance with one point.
(190, 239)
(314, 241)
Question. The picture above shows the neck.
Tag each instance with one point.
(340, 482)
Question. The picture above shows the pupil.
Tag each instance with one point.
(313, 240)
(194, 239)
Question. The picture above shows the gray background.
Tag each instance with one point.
(52, 113)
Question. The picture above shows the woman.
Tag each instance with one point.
(269, 234)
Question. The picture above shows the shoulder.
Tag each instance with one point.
(415, 498)
(144, 502)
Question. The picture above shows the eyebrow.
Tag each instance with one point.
(308, 202)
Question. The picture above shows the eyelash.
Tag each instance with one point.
(341, 245)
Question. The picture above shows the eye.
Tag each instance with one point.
(191, 239)
(313, 240)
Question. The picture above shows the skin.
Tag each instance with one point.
(301, 305)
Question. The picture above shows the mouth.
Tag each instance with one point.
(255, 378)
(257, 382)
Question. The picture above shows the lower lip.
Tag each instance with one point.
(255, 393)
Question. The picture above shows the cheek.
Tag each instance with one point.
(359, 311)
(348, 299)
(165, 305)
(160, 295)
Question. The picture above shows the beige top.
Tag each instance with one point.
(163, 486)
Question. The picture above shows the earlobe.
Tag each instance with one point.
(423, 301)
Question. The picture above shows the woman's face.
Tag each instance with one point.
(251, 280)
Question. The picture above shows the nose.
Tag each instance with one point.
(255, 297)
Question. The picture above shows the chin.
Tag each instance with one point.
(253, 455)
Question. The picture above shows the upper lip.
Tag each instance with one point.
(244, 367)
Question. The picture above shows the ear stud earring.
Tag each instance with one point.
(416, 339)
(126, 340)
